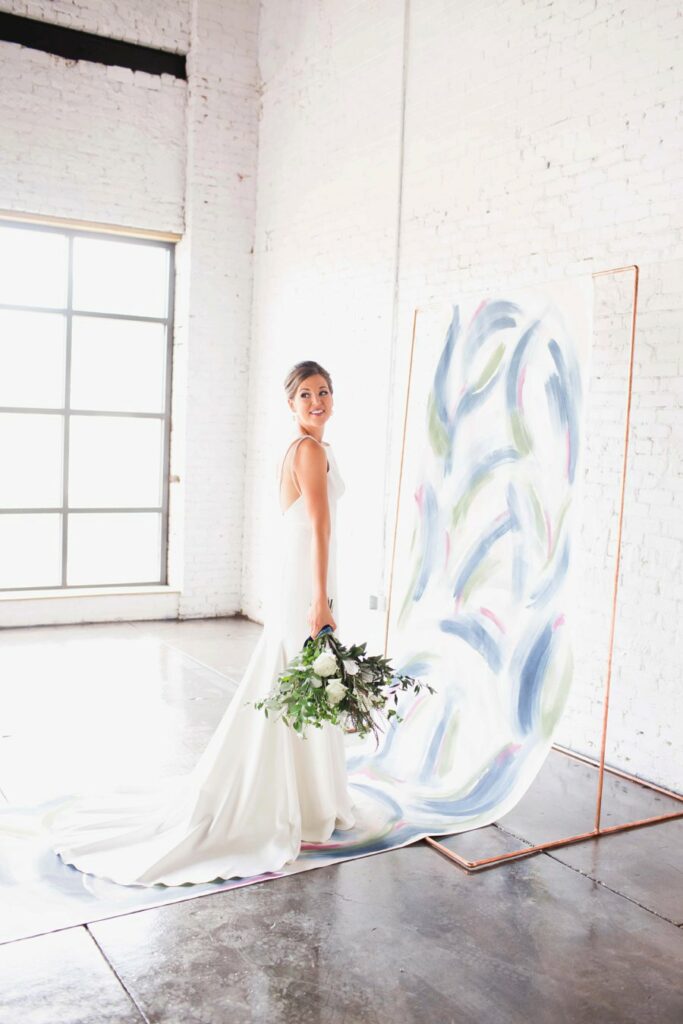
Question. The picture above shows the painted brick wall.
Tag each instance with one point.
(162, 25)
(220, 210)
(111, 145)
(541, 140)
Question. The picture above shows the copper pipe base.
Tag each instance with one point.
(527, 851)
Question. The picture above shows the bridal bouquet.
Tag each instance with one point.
(328, 682)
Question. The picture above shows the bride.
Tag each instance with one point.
(259, 789)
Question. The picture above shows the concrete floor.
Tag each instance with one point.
(592, 932)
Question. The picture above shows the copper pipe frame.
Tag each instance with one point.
(598, 830)
(472, 866)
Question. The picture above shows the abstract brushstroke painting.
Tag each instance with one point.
(481, 594)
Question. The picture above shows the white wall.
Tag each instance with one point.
(541, 140)
(107, 144)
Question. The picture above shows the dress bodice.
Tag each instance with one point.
(288, 600)
(335, 488)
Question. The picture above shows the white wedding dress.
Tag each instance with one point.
(257, 791)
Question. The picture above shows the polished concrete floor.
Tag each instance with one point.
(591, 932)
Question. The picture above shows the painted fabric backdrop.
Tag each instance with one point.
(482, 591)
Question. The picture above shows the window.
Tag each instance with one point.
(85, 376)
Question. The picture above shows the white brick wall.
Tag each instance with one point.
(107, 144)
(221, 195)
(540, 140)
(90, 142)
(165, 25)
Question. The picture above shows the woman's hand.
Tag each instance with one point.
(319, 615)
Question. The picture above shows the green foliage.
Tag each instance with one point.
(300, 698)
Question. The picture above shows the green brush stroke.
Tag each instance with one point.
(550, 714)
(481, 574)
(520, 434)
(490, 368)
(438, 438)
(539, 518)
(446, 756)
(558, 531)
(462, 506)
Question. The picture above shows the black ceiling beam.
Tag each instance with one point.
(75, 45)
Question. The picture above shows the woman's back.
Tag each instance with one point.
(296, 579)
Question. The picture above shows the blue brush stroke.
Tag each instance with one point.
(513, 505)
(413, 667)
(493, 786)
(469, 401)
(470, 629)
(479, 551)
(519, 571)
(429, 537)
(515, 366)
(489, 462)
(495, 316)
(519, 562)
(549, 587)
(426, 774)
(442, 368)
(563, 388)
(531, 679)
(556, 402)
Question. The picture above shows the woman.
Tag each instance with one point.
(259, 789)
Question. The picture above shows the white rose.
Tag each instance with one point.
(325, 664)
(351, 666)
(335, 691)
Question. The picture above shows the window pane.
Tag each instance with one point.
(30, 550)
(117, 364)
(115, 462)
(33, 267)
(32, 347)
(31, 451)
(113, 547)
(120, 277)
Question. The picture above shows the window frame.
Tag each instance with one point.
(66, 411)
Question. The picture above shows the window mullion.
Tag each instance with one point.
(67, 407)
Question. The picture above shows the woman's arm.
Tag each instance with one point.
(310, 471)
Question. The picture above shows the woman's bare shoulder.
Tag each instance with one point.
(310, 453)
(310, 459)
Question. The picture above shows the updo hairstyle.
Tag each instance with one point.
(300, 371)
